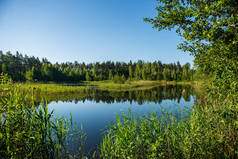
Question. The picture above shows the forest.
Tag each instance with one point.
(24, 68)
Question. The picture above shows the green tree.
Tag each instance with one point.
(165, 74)
(138, 71)
(153, 71)
(4, 68)
(47, 72)
(185, 75)
(17, 65)
(29, 76)
(210, 32)
(173, 75)
(88, 77)
(144, 73)
(94, 73)
(110, 75)
(130, 72)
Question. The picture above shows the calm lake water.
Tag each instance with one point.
(96, 109)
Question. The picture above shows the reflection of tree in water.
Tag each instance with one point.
(156, 95)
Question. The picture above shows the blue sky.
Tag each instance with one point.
(86, 31)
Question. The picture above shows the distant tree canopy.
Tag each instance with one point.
(210, 32)
(24, 68)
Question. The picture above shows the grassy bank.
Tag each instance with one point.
(130, 85)
(51, 88)
(102, 85)
(90, 90)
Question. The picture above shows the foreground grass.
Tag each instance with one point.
(30, 132)
(209, 131)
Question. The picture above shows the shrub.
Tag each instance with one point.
(119, 79)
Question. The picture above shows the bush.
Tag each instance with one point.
(119, 79)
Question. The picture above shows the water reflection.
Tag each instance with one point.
(96, 109)
(155, 95)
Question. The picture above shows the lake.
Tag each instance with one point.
(96, 109)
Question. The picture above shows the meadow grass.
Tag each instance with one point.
(132, 84)
(51, 88)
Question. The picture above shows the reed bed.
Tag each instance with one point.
(27, 131)
(210, 131)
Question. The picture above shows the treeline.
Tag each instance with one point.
(25, 68)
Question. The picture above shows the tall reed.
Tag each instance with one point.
(27, 131)
(210, 131)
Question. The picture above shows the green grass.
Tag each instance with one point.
(210, 131)
(51, 88)
(27, 131)
(132, 85)
(41, 89)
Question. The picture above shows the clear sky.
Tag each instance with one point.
(86, 31)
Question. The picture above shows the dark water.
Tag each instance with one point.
(96, 109)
